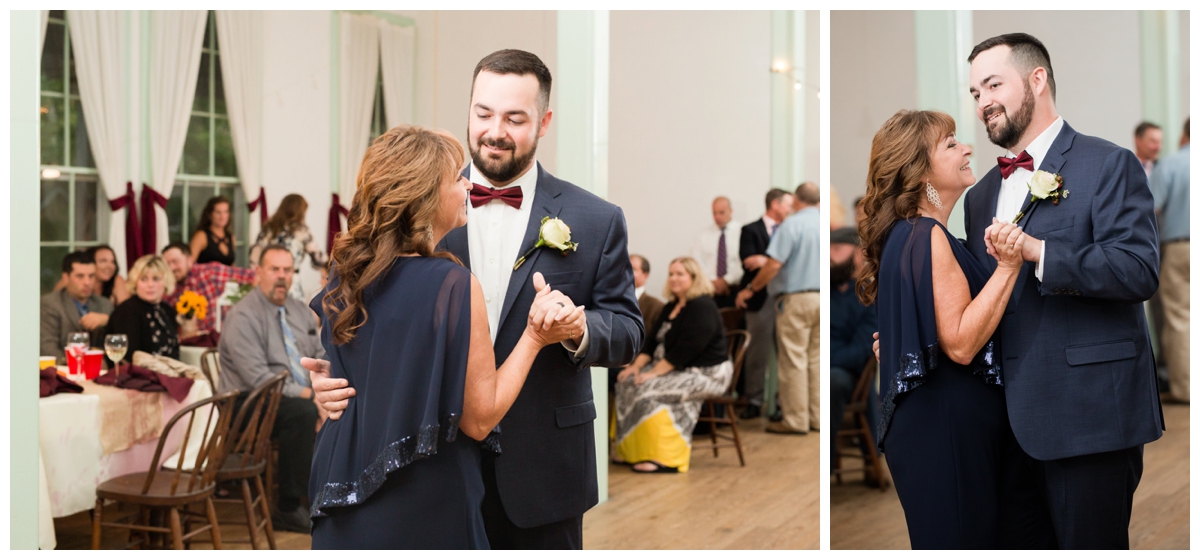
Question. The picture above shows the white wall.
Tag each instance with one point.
(689, 106)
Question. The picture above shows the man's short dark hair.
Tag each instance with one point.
(270, 248)
(1144, 127)
(521, 63)
(809, 193)
(775, 194)
(645, 266)
(1027, 54)
(1187, 127)
(183, 247)
(78, 257)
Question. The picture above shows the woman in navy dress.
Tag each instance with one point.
(944, 423)
(400, 468)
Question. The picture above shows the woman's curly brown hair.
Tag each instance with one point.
(394, 212)
(901, 157)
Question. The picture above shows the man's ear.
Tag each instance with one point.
(1038, 80)
(545, 125)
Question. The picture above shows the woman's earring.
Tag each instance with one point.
(933, 195)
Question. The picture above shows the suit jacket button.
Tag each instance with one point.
(1057, 291)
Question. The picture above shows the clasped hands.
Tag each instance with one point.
(553, 317)
(1009, 245)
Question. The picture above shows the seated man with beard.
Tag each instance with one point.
(851, 325)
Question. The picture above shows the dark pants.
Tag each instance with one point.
(1090, 497)
(504, 535)
(295, 428)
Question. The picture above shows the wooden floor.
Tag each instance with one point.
(771, 503)
(865, 518)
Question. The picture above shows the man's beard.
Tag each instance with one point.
(1008, 134)
(501, 171)
(841, 273)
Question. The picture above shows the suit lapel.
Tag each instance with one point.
(69, 305)
(1051, 163)
(546, 202)
(990, 190)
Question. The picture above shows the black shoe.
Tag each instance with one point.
(295, 521)
(777, 417)
(751, 412)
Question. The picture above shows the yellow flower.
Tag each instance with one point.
(191, 304)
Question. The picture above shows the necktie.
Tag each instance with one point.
(293, 352)
(481, 195)
(773, 228)
(1008, 165)
(722, 266)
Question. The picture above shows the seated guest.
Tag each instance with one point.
(109, 283)
(851, 326)
(213, 240)
(684, 361)
(74, 308)
(206, 279)
(649, 305)
(145, 318)
(265, 333)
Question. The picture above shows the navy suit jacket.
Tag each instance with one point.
(1079, 373)
(547, 469)
(754, 241)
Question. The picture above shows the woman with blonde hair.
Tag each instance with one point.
(145, 318)
(684, 361)
(407, 326)
(944, 420)
(287, 227)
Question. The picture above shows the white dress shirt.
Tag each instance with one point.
(704, 250)
(494, 235)
(637, 292)
(1015, 189)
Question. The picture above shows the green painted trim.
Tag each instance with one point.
(782, 98)
(23, 307)
(799, 97)
(335, 100)
(1162, 102)
(389, 17)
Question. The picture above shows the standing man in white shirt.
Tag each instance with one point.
(716, 249)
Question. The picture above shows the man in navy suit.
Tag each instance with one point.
(538, 488)
(1079, 373)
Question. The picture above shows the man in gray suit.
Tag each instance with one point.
(75, 307)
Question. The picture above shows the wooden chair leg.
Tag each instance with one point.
(176, 530)
(266, 511)
(251, 523)
(144, 520)
(876, 467)
(97, 514)
(737, 439)
(712, 426)
(213, 527)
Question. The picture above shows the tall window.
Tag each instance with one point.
(378, 117)
(208, 167)
(73, 206)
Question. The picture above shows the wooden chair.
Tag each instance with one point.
(739, 340)
(732, 318)
(210, 364)
(860, 428)
(247, 459)
(173, 489)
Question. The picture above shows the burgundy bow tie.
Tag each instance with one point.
(1008, 165)
(481, 195)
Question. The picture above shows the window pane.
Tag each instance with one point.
(201, 101)
(52, 58)
(81, 148)
(51, 266)
(240, 218)
(55, 210)
(195, 148)
(226, 162)
(175, 213)
(197, 198)
(86, 228)
(218, 87)
(53, 111)
(209, 40)
(58, 14)
(72, 72)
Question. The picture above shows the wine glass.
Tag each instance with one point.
(77, 345)
(115, 346)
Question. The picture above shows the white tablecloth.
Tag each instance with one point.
(73, 460)
(190, 355)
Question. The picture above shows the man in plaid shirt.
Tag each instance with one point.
(206, 279)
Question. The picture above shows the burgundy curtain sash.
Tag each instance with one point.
(150, 197)
(133, 237)
(336, 211)
(260, 204)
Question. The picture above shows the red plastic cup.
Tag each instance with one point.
(93, 360)
(73, 363)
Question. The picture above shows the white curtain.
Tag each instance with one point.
(45, 24)
(239, 38)
(175, 41)
(359, 64)
(396, 46)
(97, 39)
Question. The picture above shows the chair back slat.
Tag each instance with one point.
(212, 441)
(255, 420)
(739, 341)
(210, 364)
(865, 381)
(731, 317)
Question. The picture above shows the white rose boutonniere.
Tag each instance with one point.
(1043, 186)
(555, 234)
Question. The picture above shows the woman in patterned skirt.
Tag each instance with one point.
(684, 361)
